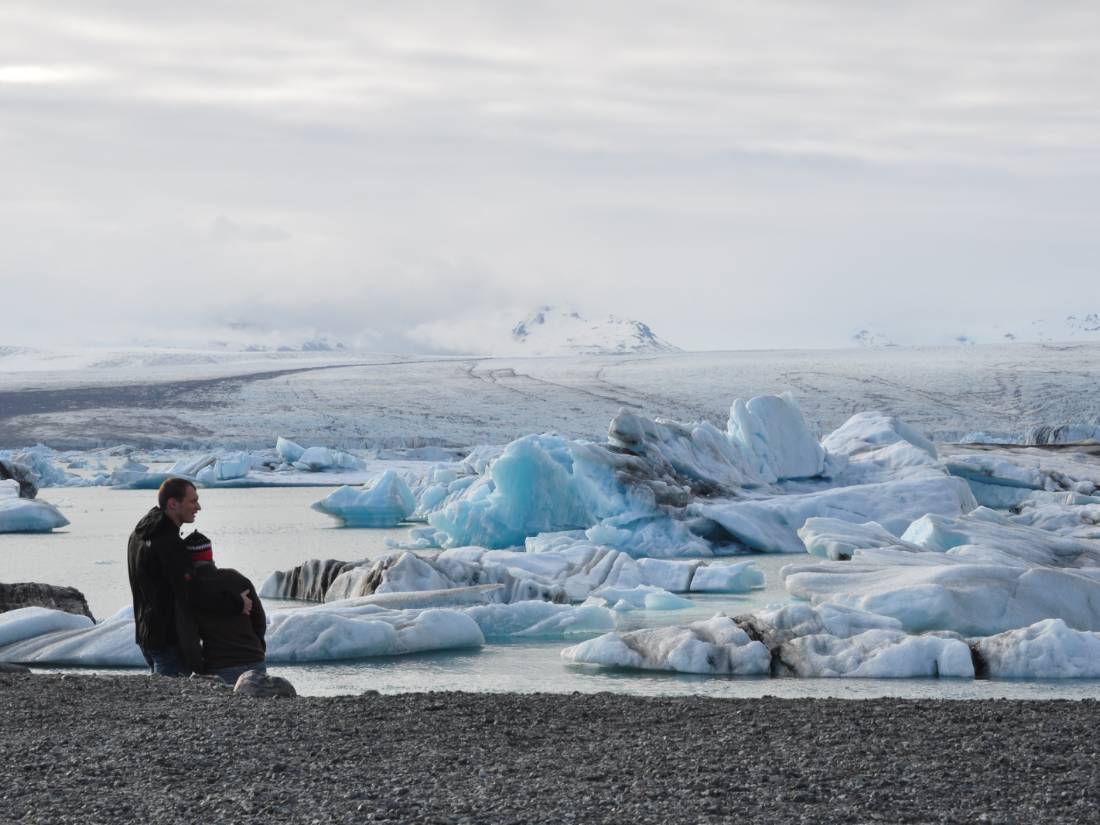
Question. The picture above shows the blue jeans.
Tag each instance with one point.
(230, 675)
(166, 661)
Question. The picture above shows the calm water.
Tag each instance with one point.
(260, 530)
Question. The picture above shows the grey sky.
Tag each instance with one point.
(409, 175)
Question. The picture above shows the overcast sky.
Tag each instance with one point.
(413, 175)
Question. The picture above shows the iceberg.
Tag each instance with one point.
(771, 524)
(36, 467)
(385, 501)
(28, 622)
(873, 446)
(319, 459)
(716, 646)
(632, 493)
(288, 451)
(109, 643)
(876, 654)
(986, 535)
(226, 468)
(1049, 649)
(329, 633)
(945, 591)
(774, 438)
(27, 515)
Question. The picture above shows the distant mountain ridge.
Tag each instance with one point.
(1069, 328)
(551, 331)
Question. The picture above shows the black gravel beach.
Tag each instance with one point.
(93, 749)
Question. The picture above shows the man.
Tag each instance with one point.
(161, 574)
(231, 644)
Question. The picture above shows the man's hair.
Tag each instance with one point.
(173, 488)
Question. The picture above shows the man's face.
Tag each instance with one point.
(183, 510)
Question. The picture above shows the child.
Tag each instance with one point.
(231, 645)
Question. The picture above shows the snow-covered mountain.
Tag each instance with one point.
(551, 331)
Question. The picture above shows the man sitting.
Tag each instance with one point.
(231, 644)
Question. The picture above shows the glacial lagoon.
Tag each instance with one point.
(258, 531)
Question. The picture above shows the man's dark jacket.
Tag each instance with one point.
(160, 570)
(227, 640)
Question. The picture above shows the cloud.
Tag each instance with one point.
(737, 175)
(225, 230)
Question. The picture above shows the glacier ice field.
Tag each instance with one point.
(761, 552)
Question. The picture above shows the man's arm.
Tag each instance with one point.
(259, 618)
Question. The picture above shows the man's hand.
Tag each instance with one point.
(247, 603)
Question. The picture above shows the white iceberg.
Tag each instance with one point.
(873, 446)
(332, 632)
(385, 501)
(774, 438)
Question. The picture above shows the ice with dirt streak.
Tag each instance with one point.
(569, 574)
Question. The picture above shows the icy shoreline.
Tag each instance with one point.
(143, 749)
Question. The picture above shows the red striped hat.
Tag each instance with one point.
(202, 549)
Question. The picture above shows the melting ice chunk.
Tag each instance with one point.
(384, 502)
